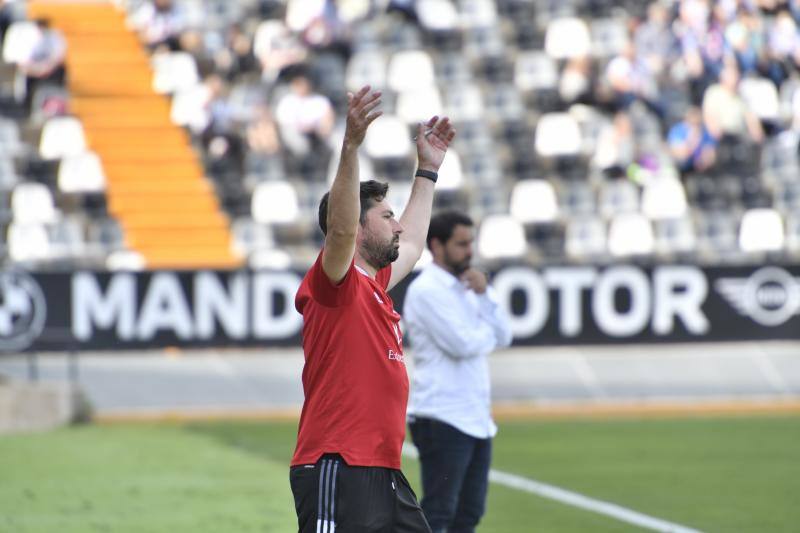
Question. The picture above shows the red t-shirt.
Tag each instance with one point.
(354, 378)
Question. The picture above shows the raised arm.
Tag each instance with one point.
(433, 139)
(344, 205)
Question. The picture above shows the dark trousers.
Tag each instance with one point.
(333, 497)
(455, 475)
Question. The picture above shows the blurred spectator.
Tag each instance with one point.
(616, 146)
(692, 147)
(7, 16)
(236, 58)
(262, 133)
(725, 113)
(159, 22)
(575, 84)
(328, 32)
(630, 80)
(192, 42)
(745, 39)
(305, 118)
(45, 64)
(276, 49)
(654, 40)
(263, 141)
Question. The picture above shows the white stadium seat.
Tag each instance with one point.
(82, 173)
(761, 230)
(501, 237)
(275, 203)
(534, 201)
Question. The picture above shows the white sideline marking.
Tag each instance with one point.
(558, 494)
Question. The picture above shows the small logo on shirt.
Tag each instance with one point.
(394, 356)
(375, 293)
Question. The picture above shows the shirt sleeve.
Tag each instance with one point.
(327, 293)
(493, 314)
(443, 318)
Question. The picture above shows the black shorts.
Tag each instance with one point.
(331, 496)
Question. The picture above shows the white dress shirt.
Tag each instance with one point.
(453, 330)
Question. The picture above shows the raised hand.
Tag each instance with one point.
(361, 113)
(433, 139)
(475, 280)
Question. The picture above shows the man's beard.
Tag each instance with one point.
(458, 268)
(380, 254)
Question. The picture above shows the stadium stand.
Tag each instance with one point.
(589, 130)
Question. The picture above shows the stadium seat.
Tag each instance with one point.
(503, 102)
(67, 239)
(453, 70)
(787, 196)
(366, 68)
(269, 259)
(104, 235)
(664, 198)
(32, 203)
(630, 234)
(300, 13)
(578, 198)
(484, 41)
(8, 175)
(28, 242)
(567, 37)
(418, 104)
(366, 170)
(125, 260)
(464, 102)
(761, 97)
(250, 236)
(675, 236)
(585, 238)
(451, 175)
(618, 197)
(173, 72)
(761, 230)
(477, 13)
(501, 237)
(716, 233)
(558, 134)
(437, 15)
(409, 70)
(534, 70)
(188, 107)
(609, 36)
(19, 41)
(9, 137)
(82, 173)
(275, 203)
(534, 201)
(61, 137)
(388, 137)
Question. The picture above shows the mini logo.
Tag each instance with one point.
(377, 297)
(770, 296)
(394, 356)
(23, 310)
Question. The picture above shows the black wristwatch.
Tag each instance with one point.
(431, 175)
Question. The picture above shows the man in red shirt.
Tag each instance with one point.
(345, 472)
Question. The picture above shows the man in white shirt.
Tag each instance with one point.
(454, 323)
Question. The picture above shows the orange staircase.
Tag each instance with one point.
(155, 184)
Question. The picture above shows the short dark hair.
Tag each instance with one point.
(443, 224)
(371, 192)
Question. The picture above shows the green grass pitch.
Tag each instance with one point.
(737, 474)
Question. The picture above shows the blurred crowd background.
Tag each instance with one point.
(589, 131)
